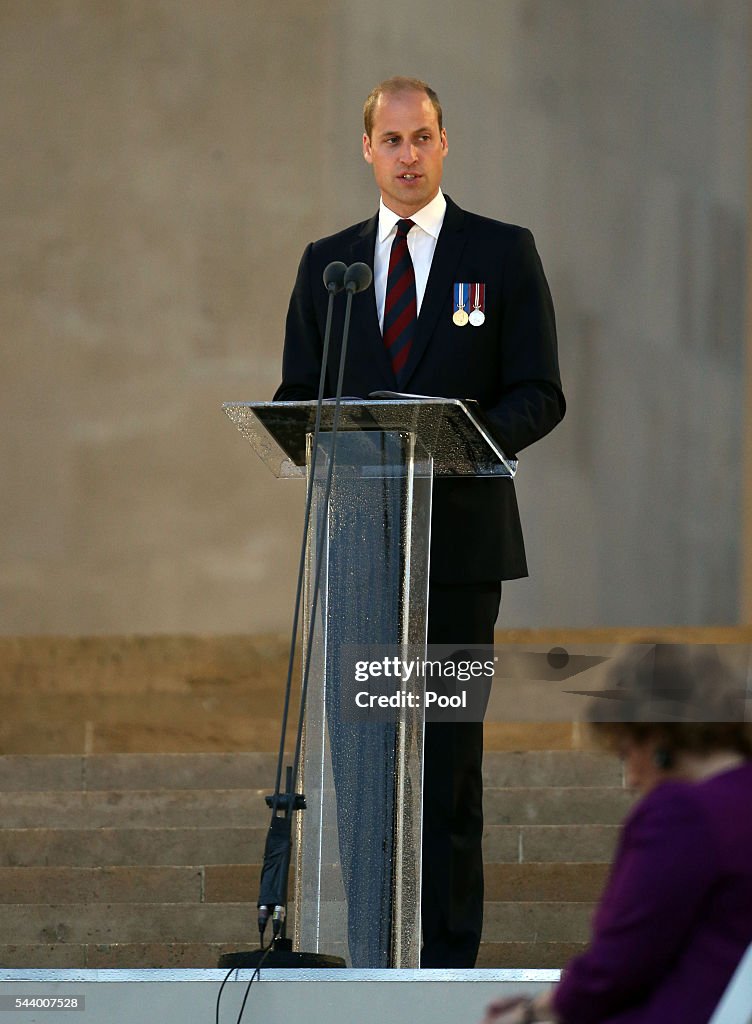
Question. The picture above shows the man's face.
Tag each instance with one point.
(406, 150)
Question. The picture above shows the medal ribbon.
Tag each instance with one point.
(479, 298)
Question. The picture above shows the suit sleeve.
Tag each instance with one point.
(531, 402)
(663, 871)
(301, 358)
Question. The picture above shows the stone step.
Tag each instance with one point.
(217, 693)
(258, 771)
(551, 768)
(544, 883)
(234, 808)
(199, 664)
(526, 955)
(569, 844)
(118, 955)
(573, 805)
(134, 955)
(183, 726)
(186, 726)
(134, 665)
(138, 771)
(86, 924)
(205, 693)
(112, 847)
(230, 808)
(238, 883)
(537, 921)
(509, 883)
(50, 885)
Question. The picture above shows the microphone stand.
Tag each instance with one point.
(274, 884)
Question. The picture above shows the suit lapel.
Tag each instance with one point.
(364, 322)
(449, 247)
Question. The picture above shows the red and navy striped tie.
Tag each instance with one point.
(400, 308)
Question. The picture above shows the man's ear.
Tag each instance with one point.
(444, 143)
(367, 154)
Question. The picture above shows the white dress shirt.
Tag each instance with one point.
(421, 243)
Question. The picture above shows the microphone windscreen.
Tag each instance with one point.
(358, 277)
(334, 276)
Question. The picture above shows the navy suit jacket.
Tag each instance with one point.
(509, 365)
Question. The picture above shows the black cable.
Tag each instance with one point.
(256, 974)
(219, 994)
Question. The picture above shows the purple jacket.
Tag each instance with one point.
(676, 915)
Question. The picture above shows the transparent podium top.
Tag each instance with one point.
(454, 433)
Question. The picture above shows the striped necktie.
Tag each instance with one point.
(400, 308)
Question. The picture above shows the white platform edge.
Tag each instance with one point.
(215, 975)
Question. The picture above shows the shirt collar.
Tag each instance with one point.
(429, 219)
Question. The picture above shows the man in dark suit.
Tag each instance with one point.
(465, 313)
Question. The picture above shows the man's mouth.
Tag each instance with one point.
(408, 177)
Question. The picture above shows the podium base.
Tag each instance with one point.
(279, 959)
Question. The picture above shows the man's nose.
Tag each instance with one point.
(409, 154)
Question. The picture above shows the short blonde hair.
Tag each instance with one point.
(392, 87)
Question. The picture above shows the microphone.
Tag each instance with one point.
(278, 849)
(357, 278)
(334, 277)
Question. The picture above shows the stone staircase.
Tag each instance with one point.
(133, 818)
(152, 860)
(129, 860)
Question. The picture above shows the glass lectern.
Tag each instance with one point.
(358, 860)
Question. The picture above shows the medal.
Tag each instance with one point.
(460, 317)
(477, 316)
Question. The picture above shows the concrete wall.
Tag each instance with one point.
(163, 165)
